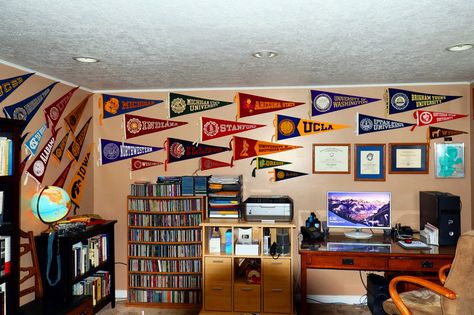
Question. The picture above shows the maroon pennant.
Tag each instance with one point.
(54, 111)
(59, 182)
(207, 164)
(425, 117)
(138, 164)
(138, 125)
(23, 164)
(37, 169)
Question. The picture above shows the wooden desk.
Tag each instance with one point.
(339, 252)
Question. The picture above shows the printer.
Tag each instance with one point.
(268, 208)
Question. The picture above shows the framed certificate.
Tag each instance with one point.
(449, 160)
(331, 158)
(369, 162)
(408, 158)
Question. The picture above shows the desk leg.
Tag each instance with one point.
(304, 293)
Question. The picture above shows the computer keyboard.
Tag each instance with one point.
(415, 244)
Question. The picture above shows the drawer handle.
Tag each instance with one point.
(277, 290)
(276, 263)
(217, 288)
(246, 289)
(348, 261)
(427, 264)
(218, 261)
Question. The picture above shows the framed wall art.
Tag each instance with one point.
(331, 158)
(449, 160)
(369, 162)
(408, 158)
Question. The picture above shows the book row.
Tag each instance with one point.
(3, 298)
(97, 285)
(165, 250)
(89, 254)
(156, 296)
(6, 156)
(157, 190)
(168, 281)
(155, 265)
(5, 255)
(169, 205)
(164, 220)
(176, 235)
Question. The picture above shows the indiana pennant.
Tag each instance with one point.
(251, 105)
(61, 180)
(54, 111)
(114, 105)
(437, 132)
(207, 164)
(399, 101)
(290, 127)
(368, 124)
(113, 151)
(180, 150)
(58, 152)
(138, 164)
(262, 163)
(138, 125)
(34, 141)
(74, 150)
(26, 109)
(326, 102)
(212, 128)
(72, 119)
(37, 169)
(180, 104)
(7, 86)
(279, 174)
(245, 148)
(78, 182)
(23, 164)
(424, 117)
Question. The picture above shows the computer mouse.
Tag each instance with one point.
(408, 240)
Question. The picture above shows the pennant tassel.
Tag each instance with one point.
(254, 171)
(101, 110)
(254, 159)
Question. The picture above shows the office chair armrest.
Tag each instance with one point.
(442, 273)
(392, 289)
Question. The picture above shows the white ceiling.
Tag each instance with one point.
(180, 44)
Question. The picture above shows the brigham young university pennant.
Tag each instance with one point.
(399, 101)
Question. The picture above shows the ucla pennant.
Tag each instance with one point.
(290, 127)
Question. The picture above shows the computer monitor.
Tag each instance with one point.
(359, 210)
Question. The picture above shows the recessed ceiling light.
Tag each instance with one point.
(460, 47)
(265, 54)
(86, 59)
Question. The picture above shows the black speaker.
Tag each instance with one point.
(442, 210)
(377, 292)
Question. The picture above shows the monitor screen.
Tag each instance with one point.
(358, 209)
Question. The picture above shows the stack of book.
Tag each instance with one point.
(5, 255)
(225, 196)
(194, 185)
(6, 156)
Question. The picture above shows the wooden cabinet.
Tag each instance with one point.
(246, 277)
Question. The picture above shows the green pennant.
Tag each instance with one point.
(262, 162)
(180, 104)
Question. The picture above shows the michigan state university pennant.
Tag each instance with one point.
(212, 128)
(34, 141)
(280, 174)
(368, 124)
(54, 111)
(180, 104)
(26, 109)
(61, 180)
(262, 163)
(207, 164)
(245, 148)
(326, 102)
(78, 182)
(72, 119)
(74, 150)
(7, 86)
(251, 105)
(37, 169)
(58, 152)
(113, 151)
(180, 150)
(114, 105)
(136, 126)
(437, 132)
(402, 100)
(424, 117)
(139, 164)
(290, 127)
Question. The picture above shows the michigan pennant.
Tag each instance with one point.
(326, 102)
(37, 169)
(399, 101)
(437, 132)
(424, 117)
(54, 111)
(212, 128)
(251, 105)
(7, 86)
(368, 124)
(58, 152)
(74, 150)
(78, 182)
(207, 164)
(180, 104)
(72, 119)
(262, 163)
(138, 125)
(180, 150)
(138, 164)
(290, 127)
(245, 148)
(61, 180)
(114, 105)
(113, 151)
(280, 174)
(33, 143)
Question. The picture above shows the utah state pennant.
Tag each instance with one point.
(368, 124)
(180, 150)
(180, 104)
(290, 127)
(113, 151)
(262, 163)
(280, 174)
(114, 105)
(326, 102)
(7, 86)
(399, 101)
(212, 128)
(251, 105)
(245, 148)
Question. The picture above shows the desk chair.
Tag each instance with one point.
(455, 297)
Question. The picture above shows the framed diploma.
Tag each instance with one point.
(331, 158)
(369, 162)
(449, 160)
(408, 158)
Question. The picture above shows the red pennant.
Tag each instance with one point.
(251, 105)
(54, 111)
(212, 128)
(424, 117)
(245, 148)
(59, 182)
(207, 164)
(37, 169)
(138, 164)
(138, 125)
(23, 164)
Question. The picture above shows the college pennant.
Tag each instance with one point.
(326, 102)
(54, 111)
(290, 127)
(180, 104)
(113, 151)
(35, 140)
(368, 124)
(251, 105)
(437, 132)
(78, 182)
(180, 150)
(27, 108)
(58, 152)
(37, 169)
(138, 164)
(138, 125)
(72, 119)
(207, 164)
(75, 147)
(212, 128)
(424, 117)
(61, 180)
(279, 174)
(399, 101)
(245, 148)
(23, 164)
(7, 86)
(262, 163)
(114, 105)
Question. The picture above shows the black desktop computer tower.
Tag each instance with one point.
(377, 292)
(442, 210)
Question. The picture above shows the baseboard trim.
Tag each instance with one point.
(344, 299)
(120, 294)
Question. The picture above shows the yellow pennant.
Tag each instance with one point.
(77, 185)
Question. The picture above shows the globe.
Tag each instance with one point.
(53, 205)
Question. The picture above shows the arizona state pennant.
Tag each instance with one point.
(262, 163)
(207, 164)
(399, 101)
(290, 127)
(72, 119)
(279, 174)
(7, 86)
(368, 124)
(251, 105)
(437, 132)
(61, 180)
(212, 128)
(180, 104)
(75, 147)
(180, 150)
(245, 148)
(54, 111)
(58, 152)
(33, 143)
(114, 105)
(138, 125)
(113, 151)
(424, 117)
(78, 182)
(37, 169)
(138, 164)
(326, 102)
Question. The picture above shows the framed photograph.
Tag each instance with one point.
(369, 162)
(331, 158)
(449, 160)
(408, 158)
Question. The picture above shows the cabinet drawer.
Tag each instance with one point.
(217, 297)
(349, 262)
(277, 286)
(417, 264)
(247, 297)
(218, 269)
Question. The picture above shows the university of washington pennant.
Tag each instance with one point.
(74, 149)
(114, 105)
(207, 164)
(424, 117)
(245, 148)
(399, 101)
(262, 163)
(180, 104)
(326, 102)
(437, 132)
(7, 86)
(61, 180)
(23, 164)
(180, 150)
(113, 151)
(58, 152)
(136, 126)
(212, 128)
(279, 174)
(54, 111)
(34, 141)
(72, 119)
(290, 127)
(251, 105)
(78, 182)
(139, 164)
(37, 169)
(368, 124)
